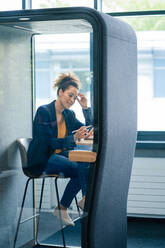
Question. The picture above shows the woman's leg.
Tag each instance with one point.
(71, 190)
(75, 185)
(83, 169)
(78, 172)
(61, 165)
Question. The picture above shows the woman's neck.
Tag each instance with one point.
(59, 108)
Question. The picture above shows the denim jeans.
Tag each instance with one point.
(77, 171)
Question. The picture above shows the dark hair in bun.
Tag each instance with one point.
(64, 81)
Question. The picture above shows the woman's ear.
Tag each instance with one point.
(60, 92)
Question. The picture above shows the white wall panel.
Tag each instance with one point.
(147, 187)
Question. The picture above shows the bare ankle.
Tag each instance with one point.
(61, 207)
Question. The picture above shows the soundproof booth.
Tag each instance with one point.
(110, 80)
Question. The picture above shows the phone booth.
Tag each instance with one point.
(112, 80)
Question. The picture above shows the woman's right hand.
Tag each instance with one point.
(81, 133)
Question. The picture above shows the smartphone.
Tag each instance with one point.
(89, 127)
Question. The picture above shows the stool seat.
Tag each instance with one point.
(51, 175)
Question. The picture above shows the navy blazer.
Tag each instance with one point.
(45, 131)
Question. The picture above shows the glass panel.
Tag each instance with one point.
(61, 3)
(150, 32)
(10, 5)
(60, 53)
(65, 49)
(131, 5)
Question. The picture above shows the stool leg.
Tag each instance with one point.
(58, 201)
(34, 211)
(40, 204)
(77, 206)
(20, 215)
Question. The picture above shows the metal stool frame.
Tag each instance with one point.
(23, 146)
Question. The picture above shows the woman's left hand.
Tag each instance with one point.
(82, 100)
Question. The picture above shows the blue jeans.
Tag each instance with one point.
(77, 171)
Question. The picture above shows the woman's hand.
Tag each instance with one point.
(90, 134)
(82, 100)
(82, 133)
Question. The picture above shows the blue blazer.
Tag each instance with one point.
(45, 132)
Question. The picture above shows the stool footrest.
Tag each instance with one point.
(32, 217)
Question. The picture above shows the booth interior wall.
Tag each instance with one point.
(15, 122)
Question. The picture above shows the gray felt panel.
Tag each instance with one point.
(15, 122)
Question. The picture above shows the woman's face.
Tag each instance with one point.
(68, 97)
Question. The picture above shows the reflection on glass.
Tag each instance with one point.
(150, 33)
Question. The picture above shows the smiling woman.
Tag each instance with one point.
(53, 138)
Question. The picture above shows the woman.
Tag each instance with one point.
(53, 138)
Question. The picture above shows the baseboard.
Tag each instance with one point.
(160, 219)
